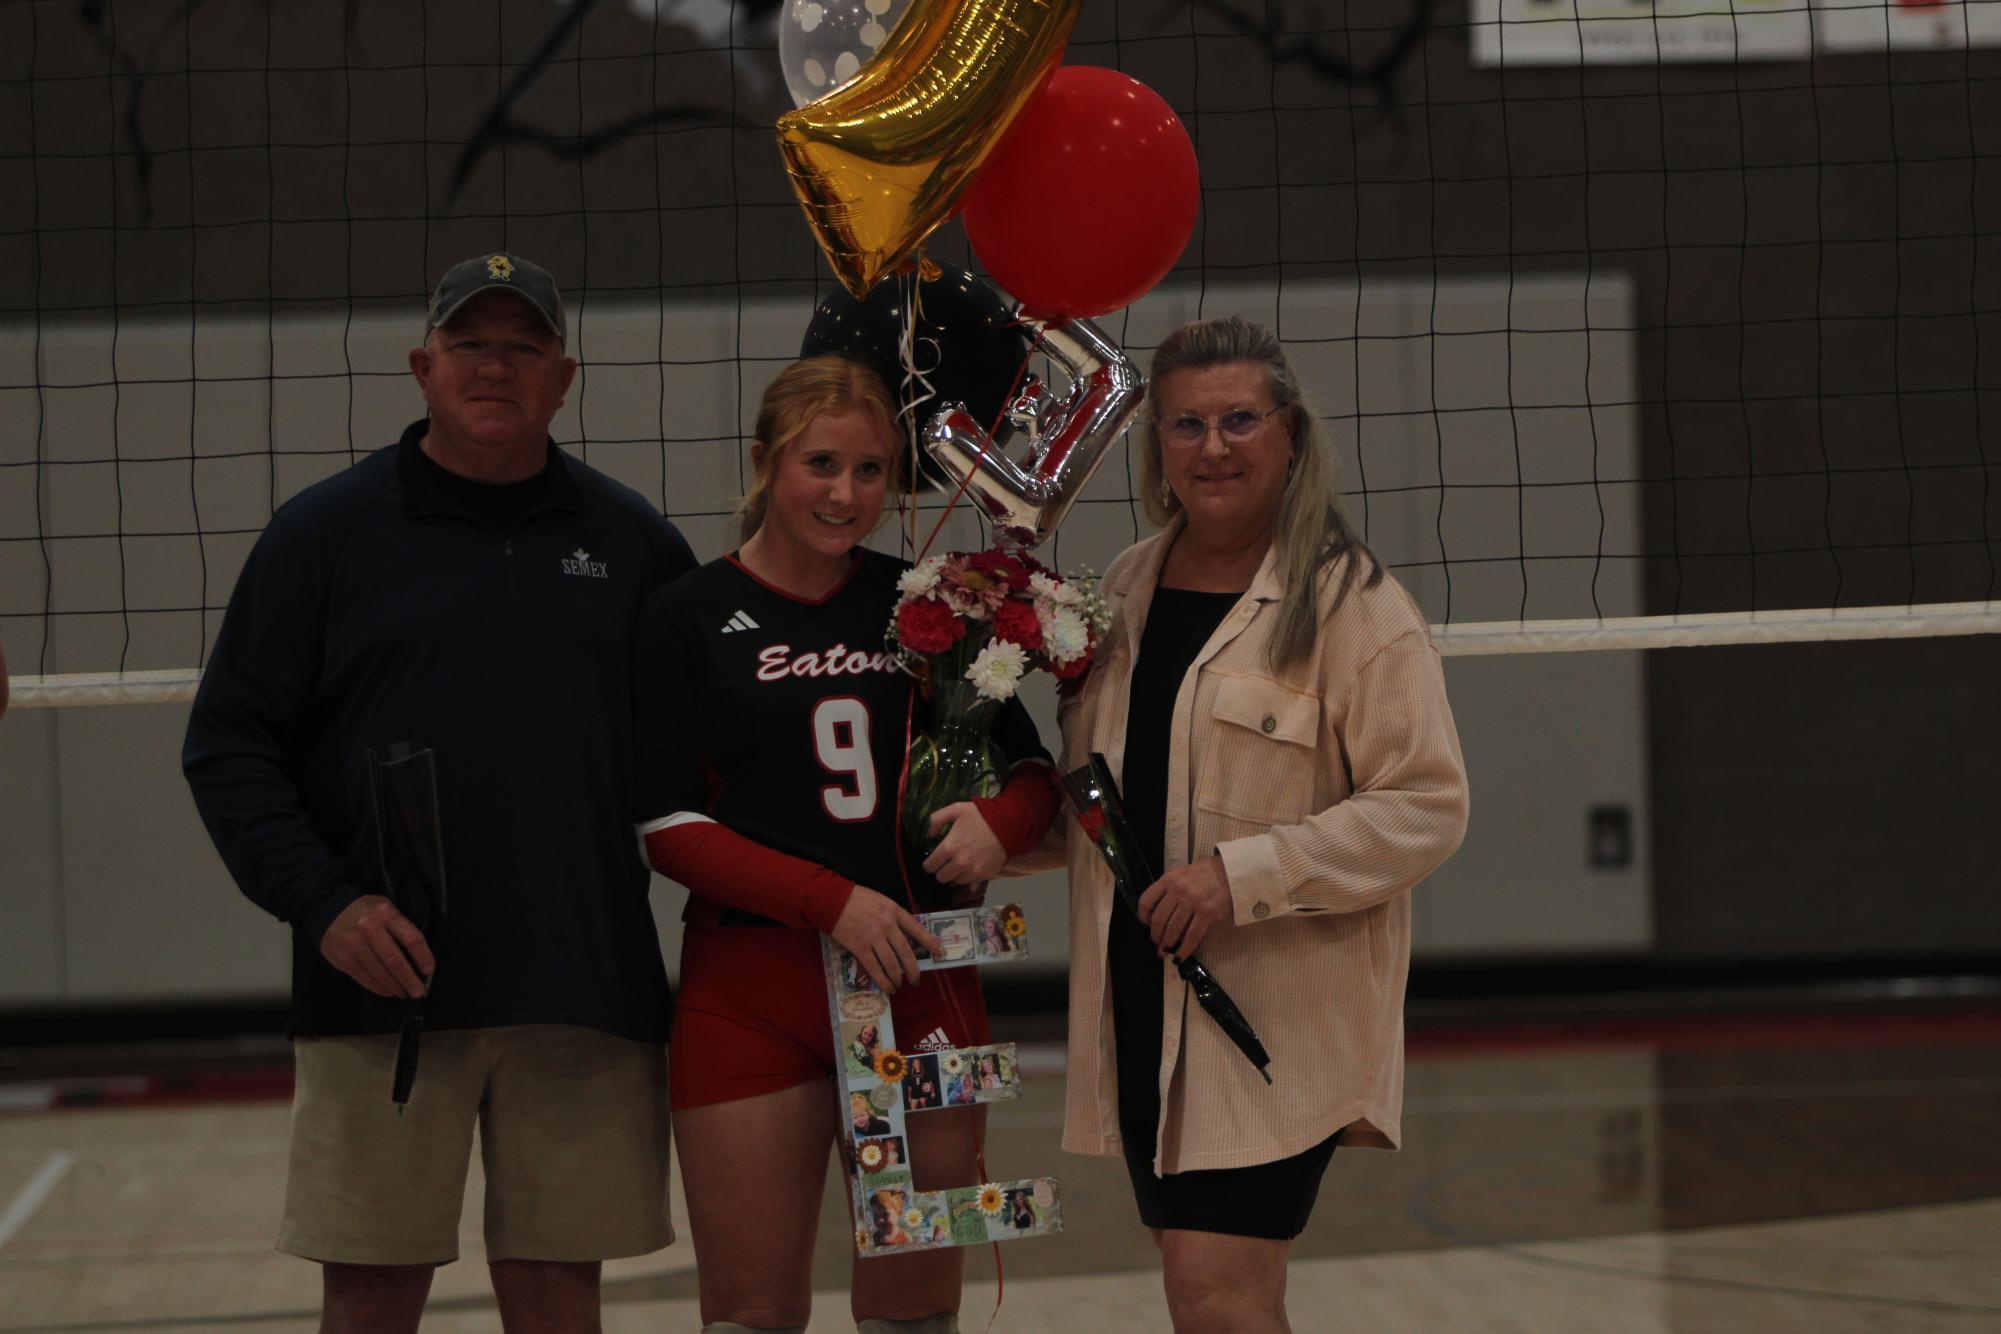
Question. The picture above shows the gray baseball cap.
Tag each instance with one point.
(518, 277)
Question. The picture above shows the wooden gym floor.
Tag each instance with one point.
(1827, 1171)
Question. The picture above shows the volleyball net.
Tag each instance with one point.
(1635, 326)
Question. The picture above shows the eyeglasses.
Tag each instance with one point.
(1237, 425)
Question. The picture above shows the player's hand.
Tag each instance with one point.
(969, 853)
(379, 947)
(1182, 905)
(878, 932)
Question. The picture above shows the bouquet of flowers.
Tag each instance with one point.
(969, 626)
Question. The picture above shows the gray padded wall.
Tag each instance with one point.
(119, 887)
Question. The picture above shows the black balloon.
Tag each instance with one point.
(967, 343)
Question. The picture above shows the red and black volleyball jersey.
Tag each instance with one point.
(784, 721)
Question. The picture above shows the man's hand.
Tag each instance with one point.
(970, 853)
(380, 948)
(878, 932)
(1182, 905)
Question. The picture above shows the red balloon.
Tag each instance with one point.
(1090, 199)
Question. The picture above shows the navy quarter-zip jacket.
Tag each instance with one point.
(375, 609)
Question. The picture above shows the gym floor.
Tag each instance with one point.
(1762, 1169)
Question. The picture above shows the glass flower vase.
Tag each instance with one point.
(954, 759)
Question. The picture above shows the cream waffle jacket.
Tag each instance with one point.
(1329, 791)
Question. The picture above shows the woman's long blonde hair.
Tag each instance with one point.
(1311, 531)
(804, 390)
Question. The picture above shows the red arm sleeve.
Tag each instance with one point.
(718, 864)
(1021, 812)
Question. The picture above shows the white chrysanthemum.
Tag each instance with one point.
(1065, 636)
(920, 578)
(998, 669)
(1054, 591)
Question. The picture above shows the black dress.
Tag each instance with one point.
(1271, 1200)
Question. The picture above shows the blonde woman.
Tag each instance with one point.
(1272, 704)
(772, 729)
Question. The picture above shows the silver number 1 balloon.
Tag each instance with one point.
(1067, 440)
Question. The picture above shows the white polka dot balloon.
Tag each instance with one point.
(822, 44)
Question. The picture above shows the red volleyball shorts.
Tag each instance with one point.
(752, 1015)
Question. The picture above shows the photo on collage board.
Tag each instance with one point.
(994, 1070)
(882, 1161)
(999, 931)
(886, 1208)
(898, 1216)
(956, 1078)
(955, 934)
(921, 1089)
(861, 1043)
(1020, 1211)
(926, 1222)
(865, 1119)
(850, 975)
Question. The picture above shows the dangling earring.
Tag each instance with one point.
(1291, 464)
(1166, 495)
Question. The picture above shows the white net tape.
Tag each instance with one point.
(1470, 639)
(1929, 621)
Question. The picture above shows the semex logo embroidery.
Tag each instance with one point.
(579, 563)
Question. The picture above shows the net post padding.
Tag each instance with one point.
(1468, 639)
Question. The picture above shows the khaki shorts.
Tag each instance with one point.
(573, 1135)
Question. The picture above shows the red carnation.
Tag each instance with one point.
(999, 566)
(1093, 820)
(927, 626)
(1016, 623)
(1076, 667)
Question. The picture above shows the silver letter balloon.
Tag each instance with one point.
(1066, 439)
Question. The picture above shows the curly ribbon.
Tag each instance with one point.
(993, 429)
(916, 388)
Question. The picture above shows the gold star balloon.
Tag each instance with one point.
(879, 163)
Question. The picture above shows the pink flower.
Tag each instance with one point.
(927, 626)
(976, 603)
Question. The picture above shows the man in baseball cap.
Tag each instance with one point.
(472, 590)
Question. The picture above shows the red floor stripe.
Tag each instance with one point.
(219, 1086)
(1425, 1042)
(1756, 1032)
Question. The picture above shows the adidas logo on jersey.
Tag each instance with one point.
(936, 1040)
(739, 621)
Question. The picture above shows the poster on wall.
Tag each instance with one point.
(1626, 32)
(1874, 25)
